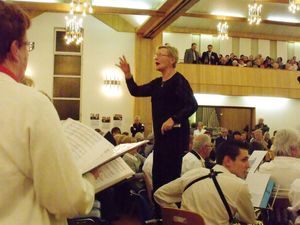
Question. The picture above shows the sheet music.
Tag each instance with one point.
(112, 173)
(257, 184)
(255, 159)
(87, 145)
(89, 148)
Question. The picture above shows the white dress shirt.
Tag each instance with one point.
(40, 183)
(198, 132)
(190, 161)
(203, 198)
(283, 170)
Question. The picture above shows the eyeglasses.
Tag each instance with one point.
(29, 45)
(159, 55)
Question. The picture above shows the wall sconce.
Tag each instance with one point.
(112, 83)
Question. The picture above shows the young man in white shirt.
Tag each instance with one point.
(202, 196)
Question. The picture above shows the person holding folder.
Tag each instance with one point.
(39, 180)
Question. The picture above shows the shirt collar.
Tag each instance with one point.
(220, 168)
(8, 72)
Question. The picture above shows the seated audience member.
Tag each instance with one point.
(200, 129)
(285, 168)
(202, 196)
(111, 135)
(199, 154)
(40, 181)
(125, 133)
(267, 139)
(191, 55)
(244, 136)
(149, 146)
(257, 143)
(223, 136)
(115, 131)
(262, 126)
(280, 63)
(137, 126)
(237, 136)
(132, 158)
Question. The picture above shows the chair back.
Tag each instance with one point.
(180, 217)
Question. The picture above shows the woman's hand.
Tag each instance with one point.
(167, 125)
(124, 66)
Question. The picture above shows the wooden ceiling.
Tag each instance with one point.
(188, 16)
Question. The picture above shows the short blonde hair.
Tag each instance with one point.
(172, 51)
(124, 139)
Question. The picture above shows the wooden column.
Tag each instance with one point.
(145, 72)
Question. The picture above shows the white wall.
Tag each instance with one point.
(180, 41)
(297, 50)
(282, 50)
(226, 46)
(278, 113)
(101, 49)
(245, 46)
(264, 48)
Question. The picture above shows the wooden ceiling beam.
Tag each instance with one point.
(236, 19)
(173, 9)
(65, 8)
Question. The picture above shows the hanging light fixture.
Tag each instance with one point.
(222, 28)
(254, 13)
(74, 30)
(81, 6)
(294, 5)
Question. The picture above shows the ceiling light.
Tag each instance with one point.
(74, 30)
(254, 13)
(294, 5)
(222, 29)
(81, 6)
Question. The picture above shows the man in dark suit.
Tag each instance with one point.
(223, 136)
(210, 57)
(192, 55)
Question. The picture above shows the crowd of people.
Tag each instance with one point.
(228, 153)
(42, 184)
(210, 57)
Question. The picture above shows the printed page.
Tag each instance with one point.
(257, 184)
(112, 173)
(89, 148)
(255, 159)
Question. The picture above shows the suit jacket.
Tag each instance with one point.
(189, 56)
(213, 59)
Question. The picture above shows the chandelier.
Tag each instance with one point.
(81, 6)
(294, 5)
(73, 30)
(74, 24)
(222, 28)
(254, 13)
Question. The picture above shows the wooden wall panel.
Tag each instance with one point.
(237, 81)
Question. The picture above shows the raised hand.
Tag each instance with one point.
(124, 66)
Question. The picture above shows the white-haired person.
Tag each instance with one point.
(197, 157)
(284, 169)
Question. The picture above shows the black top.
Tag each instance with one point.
(172, 98)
